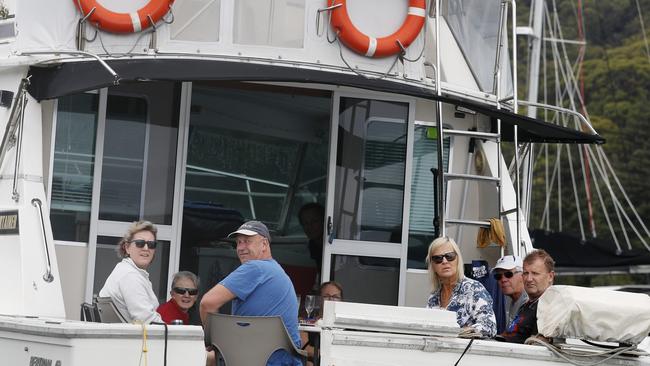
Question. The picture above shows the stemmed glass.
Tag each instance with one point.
(310, 305)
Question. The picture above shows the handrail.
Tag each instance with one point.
(19, 148)
(116, 77)
(582, 118)
(47, 277)
(12, 124)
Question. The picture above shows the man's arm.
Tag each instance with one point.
(213, 300)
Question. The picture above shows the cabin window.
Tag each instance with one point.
(73, 165)
(425, 157)
(255, 152)
(196, 20)
(279, 23)
(370, 170)
(139, 156)
(475, 25)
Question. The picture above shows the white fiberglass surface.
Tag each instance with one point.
(377, 18)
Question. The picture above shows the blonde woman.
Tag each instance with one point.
(451, 290)
(128, 285)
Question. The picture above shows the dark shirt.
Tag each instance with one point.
(523, 325)
(316, 252)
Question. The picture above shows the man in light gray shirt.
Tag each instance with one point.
(508, 273)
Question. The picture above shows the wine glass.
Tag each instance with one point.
(310, 304)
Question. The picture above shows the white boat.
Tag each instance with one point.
(226, 110)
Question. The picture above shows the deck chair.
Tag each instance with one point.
(107, 311)
(249, 340)
(89, 312)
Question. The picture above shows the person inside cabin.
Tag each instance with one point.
(185, 288)
(311, 218)
(259, 287)
(328, 291)
(128, 285)
(538, 275)
(508, 274)
(451, 290)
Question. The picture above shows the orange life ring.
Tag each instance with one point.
(378, 47)
(124, 22)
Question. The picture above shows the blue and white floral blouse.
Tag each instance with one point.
(472, 304)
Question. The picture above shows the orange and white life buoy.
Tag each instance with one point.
(124, 22)
(378, 47)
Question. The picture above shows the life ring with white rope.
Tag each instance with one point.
(363, 44)
(133, 22)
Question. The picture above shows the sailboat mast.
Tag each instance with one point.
(535, 38)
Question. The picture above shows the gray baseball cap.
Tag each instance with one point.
(251, 228)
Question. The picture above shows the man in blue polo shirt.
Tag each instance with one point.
(259, 287)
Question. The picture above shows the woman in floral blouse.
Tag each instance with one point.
(451, 290)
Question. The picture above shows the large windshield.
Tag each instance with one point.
(475, 24)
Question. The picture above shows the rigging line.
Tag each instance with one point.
(627, 199)
(618, 211)
(645, 38)
(560, 353)
(575, 193)
(602, 204)
(559, 190)
(570, 82)
(568, 77)
(617, 201)
(605, 179)
(632, 226)
(548, 218)
(549, 193)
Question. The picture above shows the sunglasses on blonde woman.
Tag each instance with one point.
(450, 257)
(151, 244)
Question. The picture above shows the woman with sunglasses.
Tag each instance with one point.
(451, 290)
(128, 285)
(185, 288)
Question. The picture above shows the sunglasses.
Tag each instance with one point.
(183, 290)
(140, 243)
(450, 257)
(507, 274)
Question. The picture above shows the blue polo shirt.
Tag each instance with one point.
(262, 288)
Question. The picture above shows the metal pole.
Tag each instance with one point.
(441, 181)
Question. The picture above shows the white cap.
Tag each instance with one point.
(509, 262)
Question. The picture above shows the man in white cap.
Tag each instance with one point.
(259, 287)
(508, 274)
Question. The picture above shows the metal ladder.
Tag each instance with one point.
(496, 137)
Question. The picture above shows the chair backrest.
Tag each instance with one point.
(249, 340)
(89, 312)
(107, 311)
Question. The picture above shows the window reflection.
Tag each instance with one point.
(370, 166)
(73, 165)
(425, 157)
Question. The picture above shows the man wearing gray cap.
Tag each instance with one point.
(259, 287)
(508, 274)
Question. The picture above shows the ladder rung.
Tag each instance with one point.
(508, 212)
(471, 177)
(468, 222)
(481, 135)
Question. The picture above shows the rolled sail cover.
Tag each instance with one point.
(593, 314)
